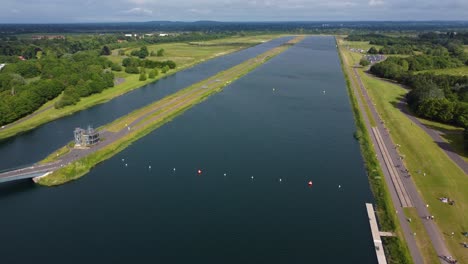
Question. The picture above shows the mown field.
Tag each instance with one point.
(184, 54)
(443, 178)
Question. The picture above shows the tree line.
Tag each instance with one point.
(27, 85)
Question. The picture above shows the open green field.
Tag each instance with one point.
(450, 71)
(184, 54)
(443, 178)
(451, 134)
(422, 239)
(153, 116)
(188, 53)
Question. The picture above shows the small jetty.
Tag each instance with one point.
(376, 235)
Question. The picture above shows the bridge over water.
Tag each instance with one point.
(29, 172)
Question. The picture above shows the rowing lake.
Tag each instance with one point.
(258, 143)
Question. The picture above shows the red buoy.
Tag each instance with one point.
(199, 171)
(309, 183)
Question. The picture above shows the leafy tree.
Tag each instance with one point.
(106, 51)
(373, 50)
(142, 76)
(132, 69)
(165, 69)
(153, 73)
(116, 67)
(364, 62)
(160, 52)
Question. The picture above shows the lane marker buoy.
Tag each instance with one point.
(309, 183)
(199, 171)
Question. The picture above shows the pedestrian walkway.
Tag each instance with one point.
(403, 196)
(376, 235)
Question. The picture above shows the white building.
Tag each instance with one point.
(163, 34)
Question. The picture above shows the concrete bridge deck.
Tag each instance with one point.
(29, 172)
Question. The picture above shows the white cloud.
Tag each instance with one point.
(200, 11)
(138, 11)
(376, 2)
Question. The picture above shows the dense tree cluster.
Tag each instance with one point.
(142, 53)
(442, 98)
(27, 85)
(150, 64)
(436, 44)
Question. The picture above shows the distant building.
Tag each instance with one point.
(21, 58)
(129, 35)
(86, 137)
(163, 34)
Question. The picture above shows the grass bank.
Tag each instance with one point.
(396, 250)
(432, 170)
(147, 119)
(184, 54)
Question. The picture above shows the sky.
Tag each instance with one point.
(74, 11)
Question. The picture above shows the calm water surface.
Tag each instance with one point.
(282, 138)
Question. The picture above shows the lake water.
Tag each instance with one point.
(269, 143)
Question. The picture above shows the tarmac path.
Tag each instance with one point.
(431, 228)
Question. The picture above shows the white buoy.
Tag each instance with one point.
(280, 180)
(251, 177)
(174, 169)
(273, 89)
(123, 159)
(339, 186)
(126, 164)
(225, 174)
(149, 167)
(324, 92)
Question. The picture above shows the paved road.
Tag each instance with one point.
(431, 228)
(433, 133)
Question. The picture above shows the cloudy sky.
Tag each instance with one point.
(56, 11)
